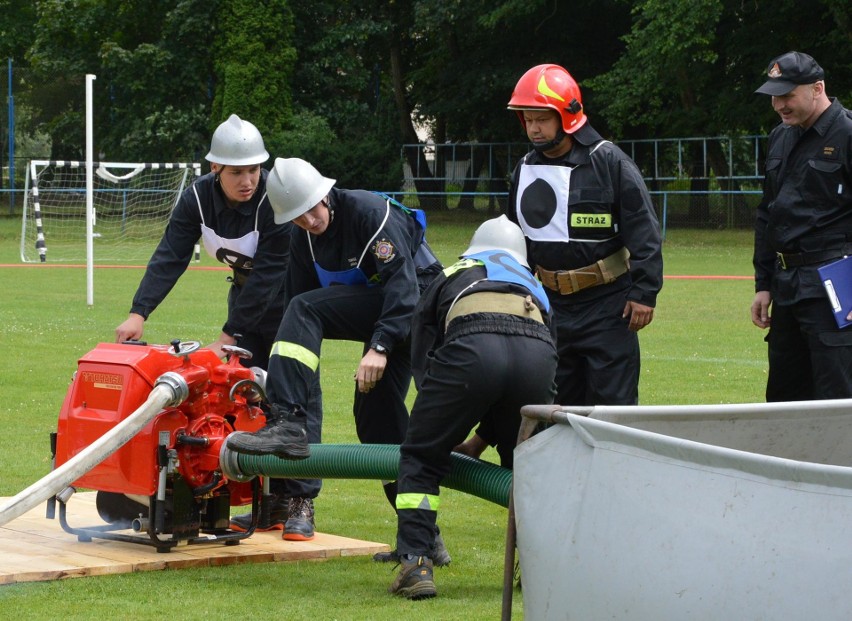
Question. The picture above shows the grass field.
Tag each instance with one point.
(701, 348)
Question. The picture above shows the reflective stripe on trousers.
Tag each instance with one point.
(296, 352)
(426, 502)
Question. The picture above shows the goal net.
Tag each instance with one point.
(131, 206)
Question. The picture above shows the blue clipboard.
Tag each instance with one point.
(837, 279)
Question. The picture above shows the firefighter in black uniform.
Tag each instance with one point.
(803, 221)
(358, 262)
(482, 348)
(227, 209)
(592, 237)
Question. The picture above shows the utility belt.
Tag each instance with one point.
(238, 278)
(601, 272)
(788, 260)
(493, 302)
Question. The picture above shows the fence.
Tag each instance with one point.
(704, 182)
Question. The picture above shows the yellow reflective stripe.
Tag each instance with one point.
(544, 89)
(296, 352)
(461, 265)
(427, 502)
(591, 219)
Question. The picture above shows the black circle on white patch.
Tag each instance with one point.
(538, 204)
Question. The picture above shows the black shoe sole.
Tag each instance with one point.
(260, 529)
(285, 451)
(421, 590)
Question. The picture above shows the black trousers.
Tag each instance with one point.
(259, 340)
(809, 356)
(340, 313)
(599, 358)
(470, 378)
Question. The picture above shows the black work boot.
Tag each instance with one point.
(414, 580)
(300, 520)
(277, 517)
(440, 556)
(283, 436)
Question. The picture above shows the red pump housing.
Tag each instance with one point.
(114, 380)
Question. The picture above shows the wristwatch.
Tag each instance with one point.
(379, 348)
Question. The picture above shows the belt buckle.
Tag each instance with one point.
(564, 285)
(781, 260)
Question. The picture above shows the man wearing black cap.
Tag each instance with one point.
(803, 221)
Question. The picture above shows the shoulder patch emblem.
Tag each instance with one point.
(384, 251)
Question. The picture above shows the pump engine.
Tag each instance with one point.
(164, 485)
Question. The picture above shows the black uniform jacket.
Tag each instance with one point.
(807, 203)
(388, 262)
(172, 256)
(604, 180)
(428, 325)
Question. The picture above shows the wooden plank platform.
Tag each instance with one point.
(34, 548)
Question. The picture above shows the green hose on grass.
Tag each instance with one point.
(381, 462)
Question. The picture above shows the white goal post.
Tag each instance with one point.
(131, 204)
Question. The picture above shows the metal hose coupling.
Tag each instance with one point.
(229, 463)
(177, 384)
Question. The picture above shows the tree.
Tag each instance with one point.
(471, 54)
(254, 63)
(690, 67)
(344, 83)
(168, 72)
(345, 119)
(150, 62)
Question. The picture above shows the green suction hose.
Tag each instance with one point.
(377, 461)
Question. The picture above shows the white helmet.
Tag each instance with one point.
(293, 187)
(499, 234)
(237, 143)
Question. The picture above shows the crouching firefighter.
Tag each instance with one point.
(482, 348)
(358, 262)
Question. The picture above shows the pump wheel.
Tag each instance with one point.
(183, 348)
(239, 352)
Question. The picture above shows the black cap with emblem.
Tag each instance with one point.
(788, 71)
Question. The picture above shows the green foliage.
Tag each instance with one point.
(15, 28)
(690, 68)
(473, 53)
(254, 57)
(665, 65)
(305, 139)
(150, 63)
(169, 71)
(341, 78)
(369, 163)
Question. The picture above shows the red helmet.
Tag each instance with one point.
(549, 86)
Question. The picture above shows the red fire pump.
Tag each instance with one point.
(165, 481)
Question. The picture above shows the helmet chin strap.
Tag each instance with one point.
(328, 206)
(541, 147)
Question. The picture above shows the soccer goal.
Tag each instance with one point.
(131, 206)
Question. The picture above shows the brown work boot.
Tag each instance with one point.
(414, 580)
